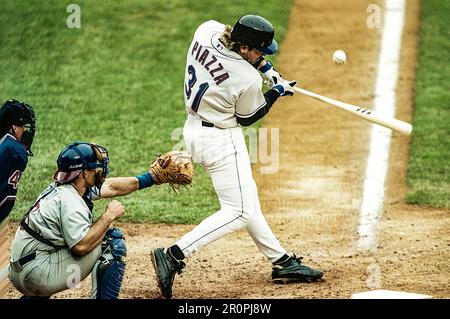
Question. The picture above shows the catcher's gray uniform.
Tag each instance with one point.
(63, 217)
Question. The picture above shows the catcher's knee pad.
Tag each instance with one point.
(109, 269)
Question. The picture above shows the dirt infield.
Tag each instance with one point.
(312, 203)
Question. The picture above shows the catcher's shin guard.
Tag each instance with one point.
(109, 270)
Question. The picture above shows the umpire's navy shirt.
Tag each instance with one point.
(13, 161)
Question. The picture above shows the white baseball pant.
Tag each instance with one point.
(223, 153)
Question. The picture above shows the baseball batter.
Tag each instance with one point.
(223, 89)
(17, 128)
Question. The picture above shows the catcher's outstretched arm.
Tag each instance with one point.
(121, 186)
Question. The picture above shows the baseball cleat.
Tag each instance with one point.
(293, 271)
(165, 268)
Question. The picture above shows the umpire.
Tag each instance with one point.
(57, 245)
(17, 128)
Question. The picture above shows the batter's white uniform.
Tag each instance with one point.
(64, 218)
(219, 85)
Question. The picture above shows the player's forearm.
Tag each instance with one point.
(270, 96)
(119, 186)
(94, 236)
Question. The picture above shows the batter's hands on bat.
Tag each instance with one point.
(285, 87)
(271, 75)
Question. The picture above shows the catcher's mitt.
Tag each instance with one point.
(175, 168)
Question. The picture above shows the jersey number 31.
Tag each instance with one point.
(202, 88)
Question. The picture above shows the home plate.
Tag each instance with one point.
(388, 294)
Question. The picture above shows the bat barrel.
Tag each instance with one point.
(359, 111)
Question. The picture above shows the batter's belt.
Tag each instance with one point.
(200, 121)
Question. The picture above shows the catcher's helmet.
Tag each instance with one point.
(80, 156)
(255, 31)
(18, 113)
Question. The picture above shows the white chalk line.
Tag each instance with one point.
(380, 137)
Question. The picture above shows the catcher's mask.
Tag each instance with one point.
(80, 156)
(256, 32)
(18, 113)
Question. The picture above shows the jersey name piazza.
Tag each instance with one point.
(212, 66)
(218, 83)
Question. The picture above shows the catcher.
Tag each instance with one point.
(57, 244)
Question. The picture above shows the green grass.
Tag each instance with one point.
(429, 158)
(117, 81)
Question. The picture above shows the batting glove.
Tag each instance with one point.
(285, 87)
(272, 76)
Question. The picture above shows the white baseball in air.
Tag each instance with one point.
(339, 57)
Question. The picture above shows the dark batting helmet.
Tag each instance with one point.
(18, 113)
(256, 32)
(80, 156)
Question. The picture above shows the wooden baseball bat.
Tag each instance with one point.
(366, 114)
